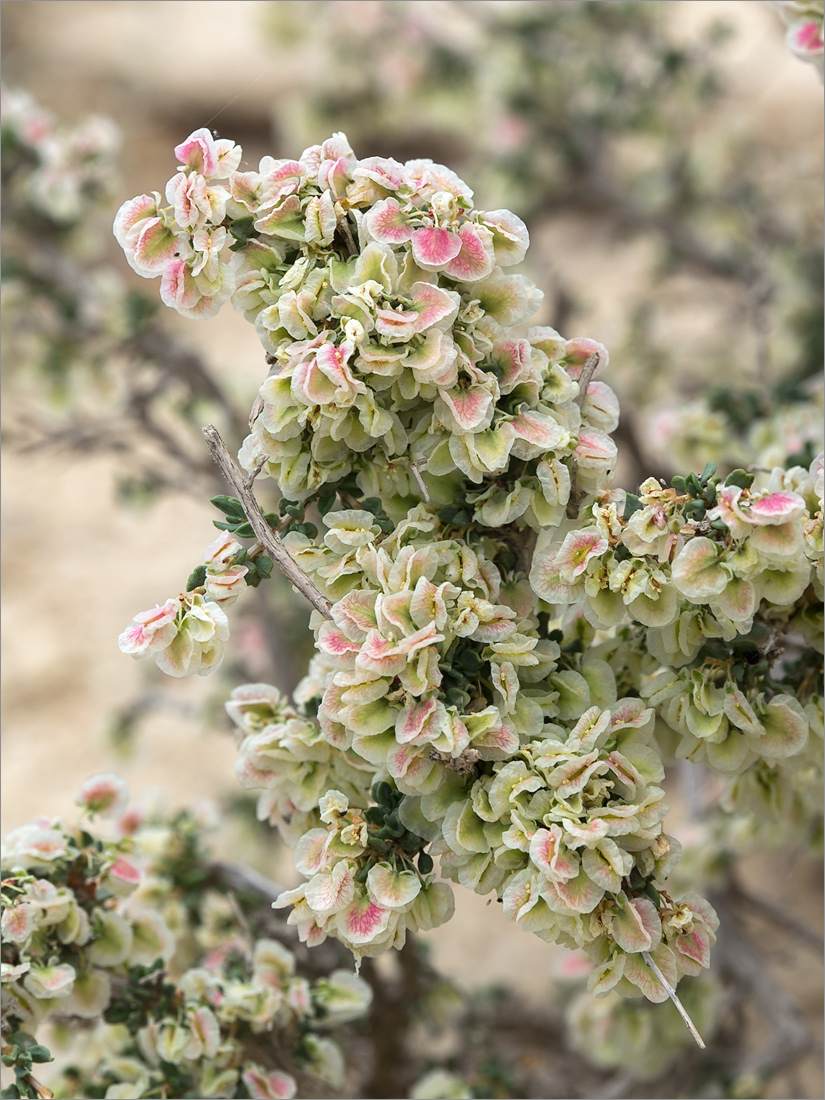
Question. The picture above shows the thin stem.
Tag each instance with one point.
(421, 485)
(671, 992)
(271, 541)
(586, 377)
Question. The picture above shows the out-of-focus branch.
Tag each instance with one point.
(782, 918)
(154, 345)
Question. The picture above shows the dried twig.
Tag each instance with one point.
(586, 377)
(671, 992)
(271, 541)
(421, 484)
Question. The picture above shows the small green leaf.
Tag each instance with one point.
(325, 503)
(39, 1053)
(384, 794)
(196, 578)
(632, 504)
(707, 473)
(652, 893)
(242, 229)
(425, 863)
(263, 565)
(409, 842)
(740, 478)
(230, 506)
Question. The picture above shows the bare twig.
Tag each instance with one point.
(271, 541)
(671, 992)
(586, 377)
(421, 485)
(254, 474)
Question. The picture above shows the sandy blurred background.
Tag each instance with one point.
(76, 567)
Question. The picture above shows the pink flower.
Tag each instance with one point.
(123, 876)
(362, 921)
(140, 231)
(279, 178)
(579, 350)
(184, 292)
(150, 631)
(805, 39)
(105, 794)
(272, 1085)
(434, 248)
(195, 202)
(327, 378)
(387, 223)
(197, 153)
(475, 257)
(18, 923)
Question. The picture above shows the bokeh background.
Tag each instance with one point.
(667, 156)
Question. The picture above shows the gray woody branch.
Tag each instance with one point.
(268, 538)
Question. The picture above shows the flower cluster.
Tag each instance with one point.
(429, 659)
(59, 173)
(432, 675)
(442, 716)
(285, 754)
(185, 635)
(805, 37)
(363, 886)
(74, 947)
(65, 931)
(715, 571)
(380, 295)
(615, 1032)
(736, 429)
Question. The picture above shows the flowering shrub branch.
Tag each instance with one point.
(510, 651)
(441, 715)
(92, 928)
